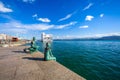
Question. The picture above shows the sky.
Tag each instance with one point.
(61, 18)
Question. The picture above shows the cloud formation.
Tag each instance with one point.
(28, 1)
(35, 16)
(18, 27)
(38, 26)
(88, 6)
(85, 26)
(4, 9)
(101, 15)
(89, 18)
(15, 30)
(65, 25)
(66, 17)
(44, 19)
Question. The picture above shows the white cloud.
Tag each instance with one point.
(15, 30)
(38, 26)
(12, 24)
(64, 37)
(18, 27)
(29, 1)
(4, 9)
(65, 25)
(6, 17)
(101, 15)
(66, 17)
(44, 19)
(41, 19)
(86, 26)
(35, 16)
(89, 18)
(88, 6)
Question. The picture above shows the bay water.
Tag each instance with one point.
(93, 60)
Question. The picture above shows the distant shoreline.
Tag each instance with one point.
(106, 38)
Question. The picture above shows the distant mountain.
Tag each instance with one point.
(109, 38)
(83, 39)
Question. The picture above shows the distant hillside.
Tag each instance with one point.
(109, 38)
(84, 39)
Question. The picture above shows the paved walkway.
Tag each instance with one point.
(17, 65)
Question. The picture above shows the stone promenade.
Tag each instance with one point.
(17, 65)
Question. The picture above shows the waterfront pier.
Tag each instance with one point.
(17, 65)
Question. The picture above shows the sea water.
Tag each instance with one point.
(93, 60)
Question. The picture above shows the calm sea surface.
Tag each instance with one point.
(94, 60)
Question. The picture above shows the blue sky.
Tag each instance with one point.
(62, 18)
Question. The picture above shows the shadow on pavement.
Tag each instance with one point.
(18, 51)
(30, 58)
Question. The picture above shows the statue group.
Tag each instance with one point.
(47, 49)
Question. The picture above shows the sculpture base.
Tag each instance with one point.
(50, 58)
(30, 50)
